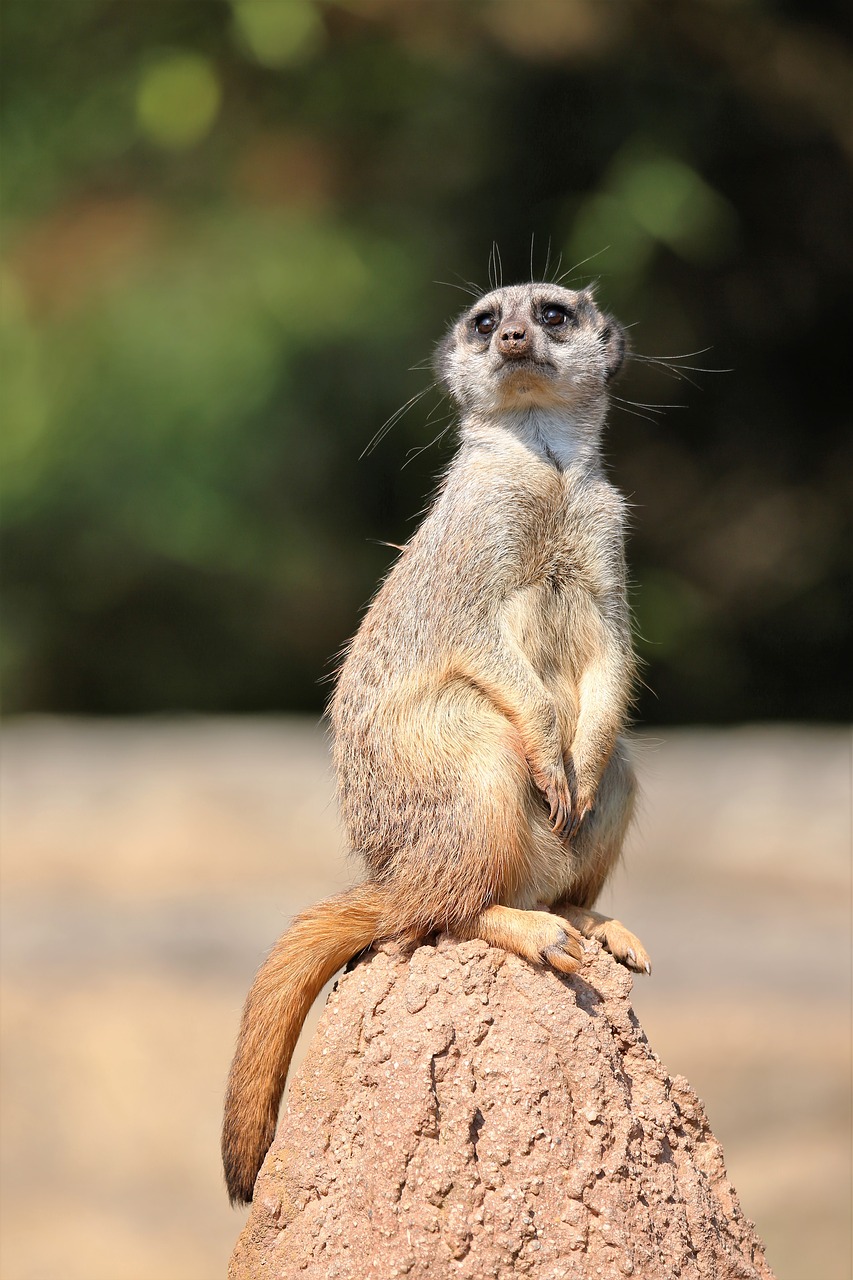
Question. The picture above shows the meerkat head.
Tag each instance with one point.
(531, 346)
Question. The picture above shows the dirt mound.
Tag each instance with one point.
(461, 1113)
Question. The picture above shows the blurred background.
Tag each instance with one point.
(233, 230)
(225, 224)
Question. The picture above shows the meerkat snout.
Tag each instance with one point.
(515, 340)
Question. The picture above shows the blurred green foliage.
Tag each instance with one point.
(224, 228)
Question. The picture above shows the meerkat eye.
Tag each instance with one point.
(485, 322)
(554, 315)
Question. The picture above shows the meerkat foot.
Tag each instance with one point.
(622, 944)
(563, 954)
(537, 936)
(550, 942)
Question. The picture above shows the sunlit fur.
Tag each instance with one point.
(478, 714)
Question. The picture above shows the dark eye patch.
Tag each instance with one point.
(554, 315)
(485, 322)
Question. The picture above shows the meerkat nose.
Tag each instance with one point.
(514, 339)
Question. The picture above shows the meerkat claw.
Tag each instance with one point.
(577, 817)
(559, 807)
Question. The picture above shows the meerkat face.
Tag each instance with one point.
(531, 346)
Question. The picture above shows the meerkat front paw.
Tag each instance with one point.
(583, 791)
(580, 809)
(555, 788)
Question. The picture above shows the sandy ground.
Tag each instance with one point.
(148, 865)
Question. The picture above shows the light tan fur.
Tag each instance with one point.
(479, 712)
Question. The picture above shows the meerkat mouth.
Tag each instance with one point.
(525, 364)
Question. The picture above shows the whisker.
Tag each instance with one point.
(463, 288)
(635, 413)
(435, 408)
(672, 371)
(640, 404)
(694, 368)
(467, 286)
(394, 419)
(674, 366)
(685, 355)
(419, 449)
(572, 270)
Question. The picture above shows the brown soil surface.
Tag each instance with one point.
(148, 865)
(462, 1113)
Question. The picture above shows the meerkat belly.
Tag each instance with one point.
(543, 623)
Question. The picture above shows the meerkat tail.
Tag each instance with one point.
(317, 944)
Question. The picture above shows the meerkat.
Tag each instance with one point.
(479, 712)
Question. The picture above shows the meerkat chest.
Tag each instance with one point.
(538, 613)
(569, 564)
(568, 544)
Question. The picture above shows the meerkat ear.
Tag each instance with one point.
(612, 336)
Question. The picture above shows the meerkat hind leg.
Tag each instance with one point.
(537, 936)
(622, 944)
(597, 847)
